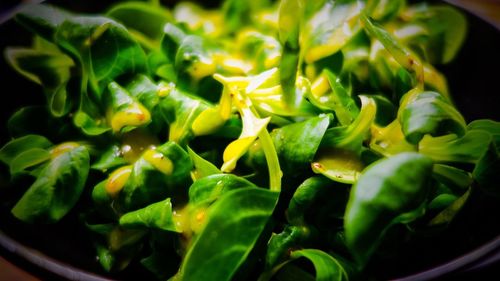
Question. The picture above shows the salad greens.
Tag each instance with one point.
(269, 140)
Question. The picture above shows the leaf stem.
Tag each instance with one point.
(273, 164)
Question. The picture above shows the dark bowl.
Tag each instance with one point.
(468, 249)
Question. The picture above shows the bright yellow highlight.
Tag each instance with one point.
(339, 165)
(63, 148)
(133, 115)
(117, 179)
(159, 161)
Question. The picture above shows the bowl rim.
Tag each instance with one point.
(481, 257)
(45, 262)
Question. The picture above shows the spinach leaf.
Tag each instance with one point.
(116, 246)
(87, 39)
(240, 217)
(330, 28)
(30, 158)
(144, 21)
(48, 68)
(157, 215)
(447, 215)
(159, 173)
(237, 13)
(296, 144)
(430, 113)
(485, 172)
(280, 244)
(304, 197)
(452, 149)
(444, 31)
(339, 155)
(387, 189)
(208, 189)
(291, 13)
(180, 111)
(202, 167)
(400, 53)
(16, 146)
(110, 158)
(57, 188)
(127, 113)
(326, 267)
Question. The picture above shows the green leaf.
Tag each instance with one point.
(485, 172)
(386, 111)
(42, 19)
(489, 126)
(387, 189)
(304, 197)
(280, 244)
(430, 113)
(128, 113)
(441, 201)
(157, 215)
(89, 125)
(115, 246)
(47, 68)
(401, 54)
(340, 100)
(352, 136)
(202, 167)
(233, 226)
(88, 38)
(27, 159)
(57, 188)
(451, 149)
(447, 215)
(188, 53)
(208, 189)
(16, 146)
(296, 144)
(445, 30)
(159, 173)
(339, 165)
(109, 158)
(288, 75)
(38, 120)
(384, 10)
(330, 29)
(327, 268)
(180, 110)
(452, 176)
(144, 90)
(239, 13)
(141, 17)
(291, 13)
(172, 38)
(103, 201)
